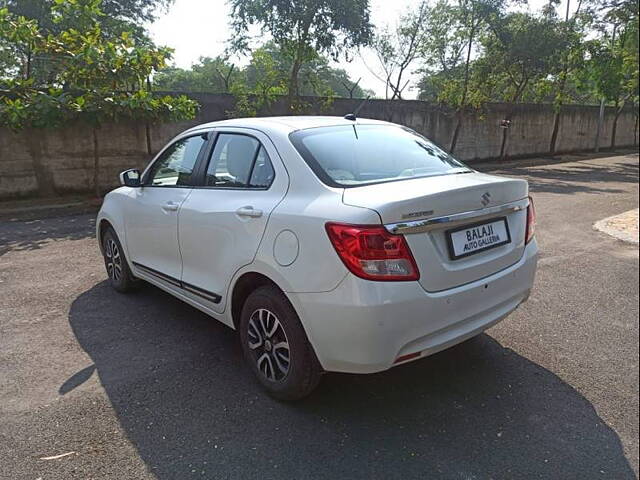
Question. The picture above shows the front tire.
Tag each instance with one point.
(120, 276)
(276, 346)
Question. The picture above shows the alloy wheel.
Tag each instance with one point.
(268, 344)
(113, 260)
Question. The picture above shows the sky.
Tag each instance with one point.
(195, 28)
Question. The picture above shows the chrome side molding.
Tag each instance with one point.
(420, 226)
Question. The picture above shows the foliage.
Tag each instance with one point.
(519, 51)
(96, 78)
(267, 81)
(316, 77)
(301, 30)
(118, 17)
(610, 70)
(521, 56)
(258, 84)
(135, 11)
(454, 30)
(62, 60)
(209, 75)
(443, 46)
(397, 50)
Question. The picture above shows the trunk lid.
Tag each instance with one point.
(444, 195)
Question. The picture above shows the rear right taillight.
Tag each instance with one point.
(531, 222)
(372, 253)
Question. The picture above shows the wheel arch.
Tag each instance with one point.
(247, 283)
(107, 219)
(103, 225)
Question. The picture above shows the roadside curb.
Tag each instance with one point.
(44, 208)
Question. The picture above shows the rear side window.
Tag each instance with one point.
(262, 174)
(239, 161)
(353, 155)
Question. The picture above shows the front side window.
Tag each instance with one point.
(175, 165)
(353, 155)
(239, 161)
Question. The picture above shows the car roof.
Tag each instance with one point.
(290, 123)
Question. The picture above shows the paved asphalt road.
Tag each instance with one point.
(143, 386)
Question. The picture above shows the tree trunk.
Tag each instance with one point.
(615, 126)
(96, 163)
(563, 82)
(510, 113)
(613, 132)
(456, 132)
(147, 134)
(554, 132)
(293, 93)
(599, 129)
(465, 87)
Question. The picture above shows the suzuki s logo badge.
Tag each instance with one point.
(485, 199)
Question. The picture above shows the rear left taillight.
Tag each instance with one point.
(372, 253)
(531, 222)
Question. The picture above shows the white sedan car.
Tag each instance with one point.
(331, 244)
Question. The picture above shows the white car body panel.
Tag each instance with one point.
(354, 325)
(152, 228)
(216, 238)
(397, 318)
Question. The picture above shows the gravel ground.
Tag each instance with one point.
(143, 386)
(623, 226)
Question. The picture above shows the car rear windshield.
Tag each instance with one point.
(355, 155)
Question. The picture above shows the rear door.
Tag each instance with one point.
(222, 221)
(152, 219)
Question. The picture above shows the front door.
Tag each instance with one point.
(222, 221)
(152, 222)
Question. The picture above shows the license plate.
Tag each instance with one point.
(477, 238)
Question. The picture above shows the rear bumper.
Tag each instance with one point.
(363, 326)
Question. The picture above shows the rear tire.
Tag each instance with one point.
(120, 276)
(276, 346)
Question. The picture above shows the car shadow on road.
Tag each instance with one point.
(182, 394)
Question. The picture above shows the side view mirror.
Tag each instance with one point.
(130, 178)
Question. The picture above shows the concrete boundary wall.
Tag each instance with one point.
(45, 162)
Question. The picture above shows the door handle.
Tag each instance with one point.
(170, 206)
(249, 212)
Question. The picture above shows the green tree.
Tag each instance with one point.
(210, 75)
(397, 50)
(263, 82)
(474, 16)
(442, 55)
(99, 79)
(611, 69)
(316, 76)
(117, 17)
(301, 30)
(574, 29)
(519, 50)
(443, 46)
(133, 10)
(453, 34)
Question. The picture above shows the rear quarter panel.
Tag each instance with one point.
(317, 267)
